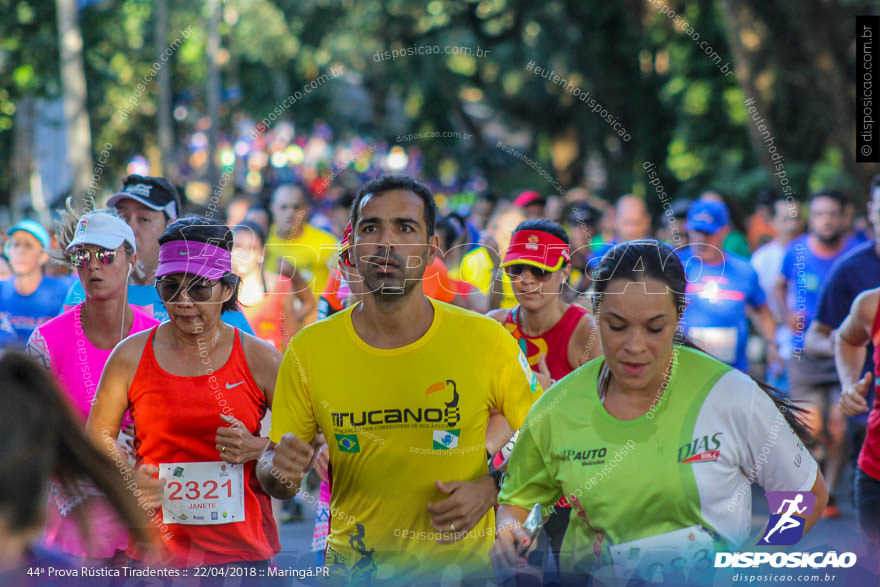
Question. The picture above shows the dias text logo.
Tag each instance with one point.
(701, 449)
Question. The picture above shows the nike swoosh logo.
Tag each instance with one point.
(233, 385)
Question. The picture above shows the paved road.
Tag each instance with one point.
(838, 534)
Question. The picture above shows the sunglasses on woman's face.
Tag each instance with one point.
(537, 272)
(199, 291)
(80, 258)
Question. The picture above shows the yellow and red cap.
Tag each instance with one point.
(538, 249)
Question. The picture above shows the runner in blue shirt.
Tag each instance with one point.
(721, 288)
(29, 298)
(852, 273)
(813, 379)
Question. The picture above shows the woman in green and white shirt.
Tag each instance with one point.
(655, 444)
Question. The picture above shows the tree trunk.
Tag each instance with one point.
(76, 114)
(164, 126)
(212, 49)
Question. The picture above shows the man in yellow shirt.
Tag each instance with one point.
(308, 249)
(401, 386)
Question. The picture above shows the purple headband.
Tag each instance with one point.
(196, 258)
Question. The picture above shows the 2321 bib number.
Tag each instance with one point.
(206, 493)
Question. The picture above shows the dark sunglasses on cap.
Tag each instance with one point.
(537, 272)
(80, 258)
(200, 291)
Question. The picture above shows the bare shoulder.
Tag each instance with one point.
(587, 322)
(584, 343)
(125, 359)
(130, 350)
(500, 314)
(865, 304)
(259, 353)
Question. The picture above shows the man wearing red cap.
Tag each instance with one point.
(408, 410)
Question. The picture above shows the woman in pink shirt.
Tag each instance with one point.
(75, 346)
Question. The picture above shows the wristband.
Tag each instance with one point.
(498, 476)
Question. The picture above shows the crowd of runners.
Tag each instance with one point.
(172, 379)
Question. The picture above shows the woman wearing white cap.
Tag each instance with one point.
(75, 346)
(197, 389)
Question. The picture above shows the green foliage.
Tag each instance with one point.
(647, 71)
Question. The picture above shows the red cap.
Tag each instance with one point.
(528, 197)
(344, 245)
(538, 249)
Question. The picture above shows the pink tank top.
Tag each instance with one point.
(76, 363)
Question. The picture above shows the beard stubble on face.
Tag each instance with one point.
(390, 288)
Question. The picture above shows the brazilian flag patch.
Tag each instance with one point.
(348, 443)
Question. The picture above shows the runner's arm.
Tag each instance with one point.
(300, 290)
(583, 346)
(38, 349)
(849, 357)
(780, 290)
(820, 490)
(819, 340)
(105, 418)
(282, 467)
(287, 459)
(509, 535)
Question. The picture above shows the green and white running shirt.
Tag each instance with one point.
(689, 461)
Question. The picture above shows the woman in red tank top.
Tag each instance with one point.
(555, 337)
(197, 389)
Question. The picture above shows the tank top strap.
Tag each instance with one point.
(237, 356)
(148, 354)
(512, 316)
(569, 320)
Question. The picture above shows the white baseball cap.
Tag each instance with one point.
(102, 229)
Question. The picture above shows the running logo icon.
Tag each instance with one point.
(786, 525)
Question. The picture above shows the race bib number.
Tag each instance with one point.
(719, 342)
(202, 494)
(670, 556)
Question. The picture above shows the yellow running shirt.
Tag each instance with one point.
(312, 254)
(397, 421)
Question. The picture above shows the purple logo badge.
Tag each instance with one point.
(788, 512)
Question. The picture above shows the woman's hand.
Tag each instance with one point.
(512, 543)
(151, 487)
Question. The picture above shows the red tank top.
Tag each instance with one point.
(869, 457)
(176, 420)
(553, 343)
